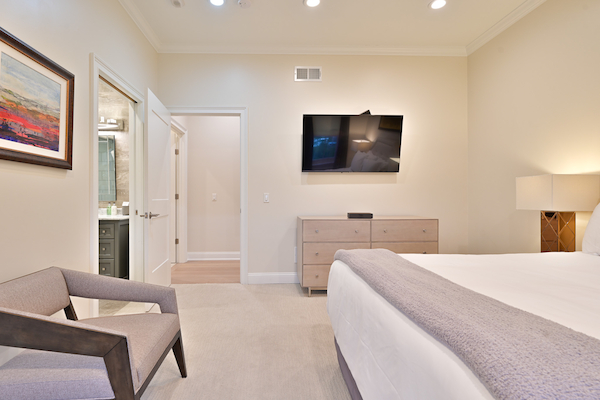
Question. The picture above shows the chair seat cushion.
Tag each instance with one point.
(55, 376)
(149, 335)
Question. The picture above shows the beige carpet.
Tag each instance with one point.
(251, 342)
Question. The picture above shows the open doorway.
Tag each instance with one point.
(130, 134)
(114, 138)
(216, 197)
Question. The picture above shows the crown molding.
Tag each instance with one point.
(440, 51)
(447, 51)
(137, 17)
(518, 13)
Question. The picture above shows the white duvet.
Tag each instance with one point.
(392, 358)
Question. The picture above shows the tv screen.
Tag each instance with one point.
(351, 143)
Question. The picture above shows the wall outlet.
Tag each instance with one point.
(266, 198)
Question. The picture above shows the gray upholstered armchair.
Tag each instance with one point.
(96, 358)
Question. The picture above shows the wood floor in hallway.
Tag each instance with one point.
(220, 271)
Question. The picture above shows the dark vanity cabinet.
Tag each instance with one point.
(114, 248)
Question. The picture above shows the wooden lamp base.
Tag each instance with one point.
(558, 231)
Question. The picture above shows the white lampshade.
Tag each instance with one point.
(361, 145)
(558, 192)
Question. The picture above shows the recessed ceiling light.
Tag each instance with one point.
(217, 2)
(312, 3)
(436, 4)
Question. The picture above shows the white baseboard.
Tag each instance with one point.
(215, 255)
(262, 278)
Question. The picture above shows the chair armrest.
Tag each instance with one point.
(38, 332)
(92, 286)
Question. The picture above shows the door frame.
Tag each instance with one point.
(180, 206)
(100, 68)
(241, 112)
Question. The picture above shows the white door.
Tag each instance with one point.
(157, 188)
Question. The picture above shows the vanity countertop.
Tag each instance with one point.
(112, 217)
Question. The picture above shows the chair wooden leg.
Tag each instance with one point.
(119, 371)
(179, 357)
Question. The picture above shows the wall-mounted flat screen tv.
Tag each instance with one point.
(351, 143)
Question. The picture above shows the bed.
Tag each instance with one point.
(386, 355)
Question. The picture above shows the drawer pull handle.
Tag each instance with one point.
(103, 231)
(317, 253)
(104, 249)
(356, 231)
(424, 252)
(385, 231)
(316, 276)
(316, 231)
(425, 230)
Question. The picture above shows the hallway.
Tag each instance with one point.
(210, 271)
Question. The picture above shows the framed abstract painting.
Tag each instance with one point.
(36, 106)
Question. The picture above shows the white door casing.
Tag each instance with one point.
(157, 185)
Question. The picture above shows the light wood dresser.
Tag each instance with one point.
(319, 238)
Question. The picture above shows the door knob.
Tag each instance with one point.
(152, 215)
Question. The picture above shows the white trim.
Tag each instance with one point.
(506, 22)
(262, 278)
(242, 112)
(180, 129)
(141, 22)
(213, 255)
(181, 234)
(446, 51)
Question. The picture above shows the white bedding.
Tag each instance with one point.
(392, 358)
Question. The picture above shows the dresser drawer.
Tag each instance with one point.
(107, 267)
(408, 247)
(410, 230)
(336, 231)
(316, 275)
(106, 248)
(322, 253)
(106, 231)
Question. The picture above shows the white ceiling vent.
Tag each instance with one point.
(312, 74)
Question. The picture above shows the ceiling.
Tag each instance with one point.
(395, 27)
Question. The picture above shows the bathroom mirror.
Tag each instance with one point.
(107, 177)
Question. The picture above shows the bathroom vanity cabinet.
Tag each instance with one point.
(114, 246)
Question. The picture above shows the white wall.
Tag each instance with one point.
(45, 212)
(213, 167)
(431, 93)
(534, 108)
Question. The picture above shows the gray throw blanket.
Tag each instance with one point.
(515, 354)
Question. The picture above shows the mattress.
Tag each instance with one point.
(390, 357)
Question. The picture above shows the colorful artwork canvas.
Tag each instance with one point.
(29, 105)
(36, 106)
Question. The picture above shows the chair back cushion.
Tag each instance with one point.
(44, 292)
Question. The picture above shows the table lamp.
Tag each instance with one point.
(558, 197)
